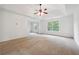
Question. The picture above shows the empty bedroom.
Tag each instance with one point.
(39, 29)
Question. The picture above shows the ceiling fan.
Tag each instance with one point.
(41, 11)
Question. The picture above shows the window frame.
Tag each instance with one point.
(52, 29)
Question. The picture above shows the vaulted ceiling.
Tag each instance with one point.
(54, 10)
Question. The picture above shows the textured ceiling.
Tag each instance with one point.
(54, 10)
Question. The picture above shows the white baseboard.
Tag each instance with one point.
(12, 38)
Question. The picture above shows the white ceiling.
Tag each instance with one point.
(54, 10)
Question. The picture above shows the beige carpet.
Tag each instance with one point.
(34, 46)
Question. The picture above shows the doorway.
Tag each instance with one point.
(34, 27)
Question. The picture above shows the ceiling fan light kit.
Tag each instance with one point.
(41, 11)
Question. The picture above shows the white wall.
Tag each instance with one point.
(13, 25)
(66, 26)
(74, 9)
(10, 30)
(76, 27)
(1, 24)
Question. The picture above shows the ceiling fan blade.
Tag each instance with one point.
(45, 12)
(36, 13)
(45, 9)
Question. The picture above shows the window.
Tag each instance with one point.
(34, 27)
(53, 26)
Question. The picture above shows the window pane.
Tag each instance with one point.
(53, 26)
